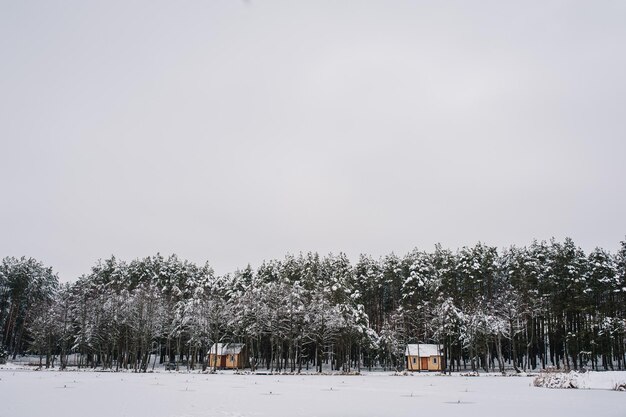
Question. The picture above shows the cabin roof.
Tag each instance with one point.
(422, 350)
(226, 348)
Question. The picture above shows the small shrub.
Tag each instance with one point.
(557, 380)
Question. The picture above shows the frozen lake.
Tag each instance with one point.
(26, 393)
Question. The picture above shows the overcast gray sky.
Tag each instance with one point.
(235, 131)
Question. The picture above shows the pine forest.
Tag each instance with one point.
(548, 304)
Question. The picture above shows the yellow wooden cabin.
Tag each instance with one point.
(227, 356)
(423, 357)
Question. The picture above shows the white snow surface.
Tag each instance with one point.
(27, 393)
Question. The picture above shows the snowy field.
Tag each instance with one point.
(27, 393)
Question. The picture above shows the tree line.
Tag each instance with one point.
(548, 304)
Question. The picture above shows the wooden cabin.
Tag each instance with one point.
(227, 356)
(423, 357)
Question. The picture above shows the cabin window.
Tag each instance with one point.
(232, 358)
(434, 360)
(414, 360)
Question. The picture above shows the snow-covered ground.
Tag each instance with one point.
(27, 393)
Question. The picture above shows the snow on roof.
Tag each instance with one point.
(232, 349)
(422, 350)
(217, 348)
(226, 348)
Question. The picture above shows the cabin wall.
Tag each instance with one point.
(235, 361)
(232, 361)
(221, 361)
(434, 363)
(414, 363)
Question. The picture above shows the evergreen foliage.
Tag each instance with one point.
(547, 304)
